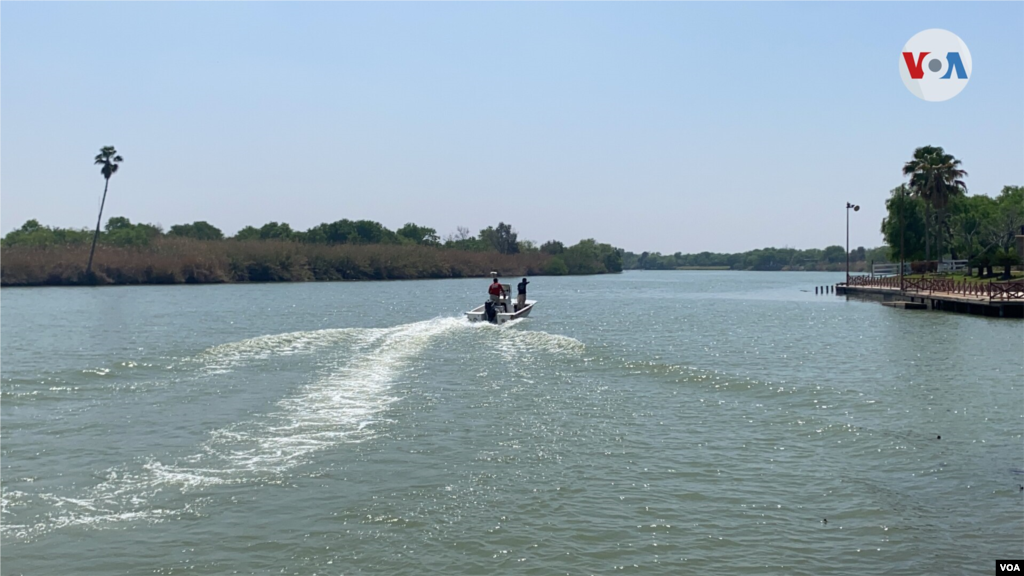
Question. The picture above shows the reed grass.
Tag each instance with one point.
(188, 261)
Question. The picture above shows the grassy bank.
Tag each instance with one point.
(183, 261)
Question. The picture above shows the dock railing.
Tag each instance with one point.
(993, 291)
(869, 282)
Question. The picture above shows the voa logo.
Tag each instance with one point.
(935, 65)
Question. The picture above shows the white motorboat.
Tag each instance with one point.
(502, 311)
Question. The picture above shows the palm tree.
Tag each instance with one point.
(109, 159)
(935, 177)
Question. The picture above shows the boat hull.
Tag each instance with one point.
(479, 315)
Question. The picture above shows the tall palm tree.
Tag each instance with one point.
(935, 177)
(109, 160)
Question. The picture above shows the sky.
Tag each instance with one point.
(671, 127)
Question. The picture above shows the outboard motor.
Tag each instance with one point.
(490, 312)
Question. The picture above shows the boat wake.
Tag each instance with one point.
(351, 388)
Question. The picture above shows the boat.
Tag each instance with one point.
(504, 310)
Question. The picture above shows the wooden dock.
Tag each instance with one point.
(1003, 299)
(905, 305)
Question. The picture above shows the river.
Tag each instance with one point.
(697, 422)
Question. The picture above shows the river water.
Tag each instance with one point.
(647, 422)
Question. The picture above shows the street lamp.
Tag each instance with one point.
(903, 206)
(855, 208)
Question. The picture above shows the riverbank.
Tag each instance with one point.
(187, 261)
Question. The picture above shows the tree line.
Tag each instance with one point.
(980, 229)
(931, 217)
(200, 252)
(585, 257)
(830, 258)
(141, 253)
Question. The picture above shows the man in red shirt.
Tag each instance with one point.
(496, 291)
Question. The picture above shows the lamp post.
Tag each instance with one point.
(903, 206)
(855, 208)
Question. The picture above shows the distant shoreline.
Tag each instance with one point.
(858, 268)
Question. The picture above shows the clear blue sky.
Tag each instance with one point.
(668, 127)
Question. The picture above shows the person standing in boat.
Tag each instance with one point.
(496, 291)
(521, 294)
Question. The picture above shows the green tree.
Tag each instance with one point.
(119, 231)
(419, 234)
(612, 257)
(503, 238)
(109, 160)
(527, 246)
(1008, 218)
(970, 217)
(910, 210)
(878, 255)
(338, 232)
(118, 223)
(32, 233)
(553, 247)
(642, 260)
(1006, 259)
(248, 233)
(983, 262)
(200, 230)
(835, 254)
(935, 176)
(556, 267)
(467, 242)
(370, 232)
(590, 257)
(276, 231)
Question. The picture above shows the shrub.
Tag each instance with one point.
(556, 267)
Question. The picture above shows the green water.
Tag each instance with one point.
(654, 423)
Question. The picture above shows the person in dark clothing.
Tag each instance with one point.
(521, 296)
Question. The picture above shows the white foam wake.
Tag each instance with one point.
(334, 408)
(226, 357)
(352, 388)
(350, 391)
